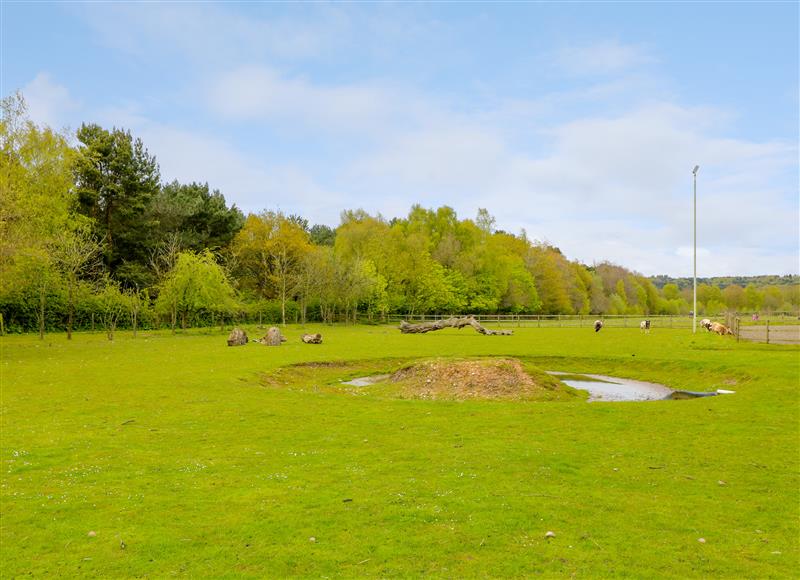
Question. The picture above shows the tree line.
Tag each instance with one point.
(91, 236)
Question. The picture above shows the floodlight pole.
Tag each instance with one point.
(694, 305)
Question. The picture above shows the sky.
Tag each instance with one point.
(579, 123)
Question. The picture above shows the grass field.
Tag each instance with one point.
(186, 451)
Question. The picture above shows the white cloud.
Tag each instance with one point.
(600, 170)
(260, 93)
(615, 188)
(205, 33)
(601, 58)
(253, 184)
(49, 103)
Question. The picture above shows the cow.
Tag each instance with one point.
(706, 323)
(720, 329)
(598, 324)
(644, 326)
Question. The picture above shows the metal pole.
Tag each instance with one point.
(694, 293)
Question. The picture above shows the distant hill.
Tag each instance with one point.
(723, 281)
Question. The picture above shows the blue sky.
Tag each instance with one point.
(579, 122)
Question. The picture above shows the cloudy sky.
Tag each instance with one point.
(578, 122)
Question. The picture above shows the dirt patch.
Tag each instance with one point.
(321, 365)
(469, 379)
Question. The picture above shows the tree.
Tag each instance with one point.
(671, 291)
(196, 284)
(199, 218)
(542, 261)
(116, 179)
(773, 299)
(35, 207)
(753, 297)
(35, 186)
(111, 303)
(734, 297)
(136, 299)
(74, 252)
(270, 248)
(322, 235)
(485, 220)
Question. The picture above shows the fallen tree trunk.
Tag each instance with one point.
(312, 338)
(424, 327)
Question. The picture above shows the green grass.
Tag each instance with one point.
(178, 447)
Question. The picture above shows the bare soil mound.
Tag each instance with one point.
(503, 378)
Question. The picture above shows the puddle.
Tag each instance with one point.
(605, 388)
(600, 387)
(366, 381)
(613, 389)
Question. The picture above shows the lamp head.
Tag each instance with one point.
(696, 168)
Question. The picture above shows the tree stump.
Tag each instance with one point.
(454, 322)
(237, 337)
(312, 338)
(273, 337)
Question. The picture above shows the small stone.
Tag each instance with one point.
(312, 539)
(122, 545)
(550, 535)
(701, 540)
(720, 482)
(616, 469)
(92, 534)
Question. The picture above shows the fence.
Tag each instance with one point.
(585, 321)
(768, 331)
(559, 320)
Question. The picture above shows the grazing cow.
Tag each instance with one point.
(598, 324)
(706, 323)
(720, 329)
(644, 326)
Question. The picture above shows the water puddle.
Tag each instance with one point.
(366, 381)
(600, 387)
(614, 389)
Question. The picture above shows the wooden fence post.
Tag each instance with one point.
(768, 331)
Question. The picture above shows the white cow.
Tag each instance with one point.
(706, 323)
(598, 324)
(644, 326)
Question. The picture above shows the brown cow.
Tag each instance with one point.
(720, 329)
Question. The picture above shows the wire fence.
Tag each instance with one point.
(609, 320)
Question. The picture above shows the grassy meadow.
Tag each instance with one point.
(199, 461)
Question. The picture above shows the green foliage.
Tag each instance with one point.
(199, 217)
(196, 284)
(116, 179)
(322, 235)
(112, 304)
(58, 202)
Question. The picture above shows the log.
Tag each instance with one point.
(312, 338)
(454, 322)
(237, 337)
(273, 337)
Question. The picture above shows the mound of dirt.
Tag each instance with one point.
(468, 379)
